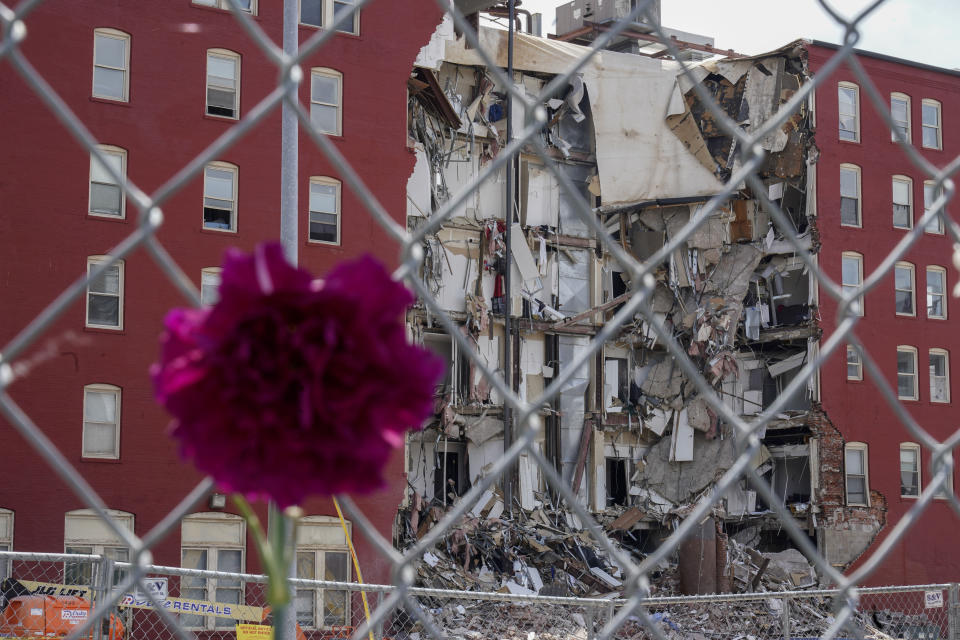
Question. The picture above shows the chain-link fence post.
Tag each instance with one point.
(101, 589)
(785, 618)
(374, 604)
(588, 616)
(953, 611)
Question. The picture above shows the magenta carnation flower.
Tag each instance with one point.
(291, 387)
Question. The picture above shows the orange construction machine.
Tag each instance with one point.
(43, 616)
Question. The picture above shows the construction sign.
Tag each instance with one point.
(12, 588)
(254, 632)
(196, 607)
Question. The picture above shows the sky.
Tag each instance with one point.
(918, 30)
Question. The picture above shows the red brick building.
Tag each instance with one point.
(869, 198)
(155, 87)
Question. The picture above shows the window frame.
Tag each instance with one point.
(911, 446)
(92, 261)
(117, 393)
(937, 351)
(908, 181)
(943, 293)
(897, 95)
(942, 494)
(234, 218)
(327, 72)
(224, 5)
(856, 169)
(928, 203)
(107, 543)
(116, 34)
(223, 54)
(327, 9)
(913, 288)
(210, 271)
(905, 348)
(853, 255)
(865, 458)
(109, 150)
(7, 523)
(930, 102)
(333, 182)
(843, 84)
(319, 551)
(211, 548)
(859, 363)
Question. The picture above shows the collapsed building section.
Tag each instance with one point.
(629, 432)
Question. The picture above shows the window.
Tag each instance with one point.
(848, 95)
(250, 6)
(325, 210)
(943, 493)
(939, 376)
(6, 540)
(854, 364)
(209, 286)
(909, 470)
(212, 542)
(900, 113)
(855, 468)
(105, 295)
(101, 421)
(930, 119)
(85, 532)
(111, 61)
(850, 195)
(903, 285)
(930, 195)
(318, 13)
(322, 554)
(106, 196)
(326, 97)
(852, 276)
(220, 196)
(902, 202)
(936, 292)
(907, 373)
(223, 83)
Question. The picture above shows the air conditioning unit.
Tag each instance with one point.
(571, 15)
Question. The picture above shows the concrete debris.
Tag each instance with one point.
(682, 483)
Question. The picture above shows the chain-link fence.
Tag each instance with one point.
(335, 609)
(403, 611)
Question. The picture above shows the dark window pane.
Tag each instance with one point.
(311, 12)
(856, 490)
(901, 216)
(848, 211)
(908, 483)
(321, 232)
(105, 198)
(104, 310)
(904, 302)
(216, 218)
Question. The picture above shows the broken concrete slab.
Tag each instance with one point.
(680, 482)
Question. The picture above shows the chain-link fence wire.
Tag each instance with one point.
(334, 610)
(14, 22)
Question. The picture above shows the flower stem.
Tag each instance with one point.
(271, 551)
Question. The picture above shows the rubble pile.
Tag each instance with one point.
(542, 551)
(547, 551)
(481, 620)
